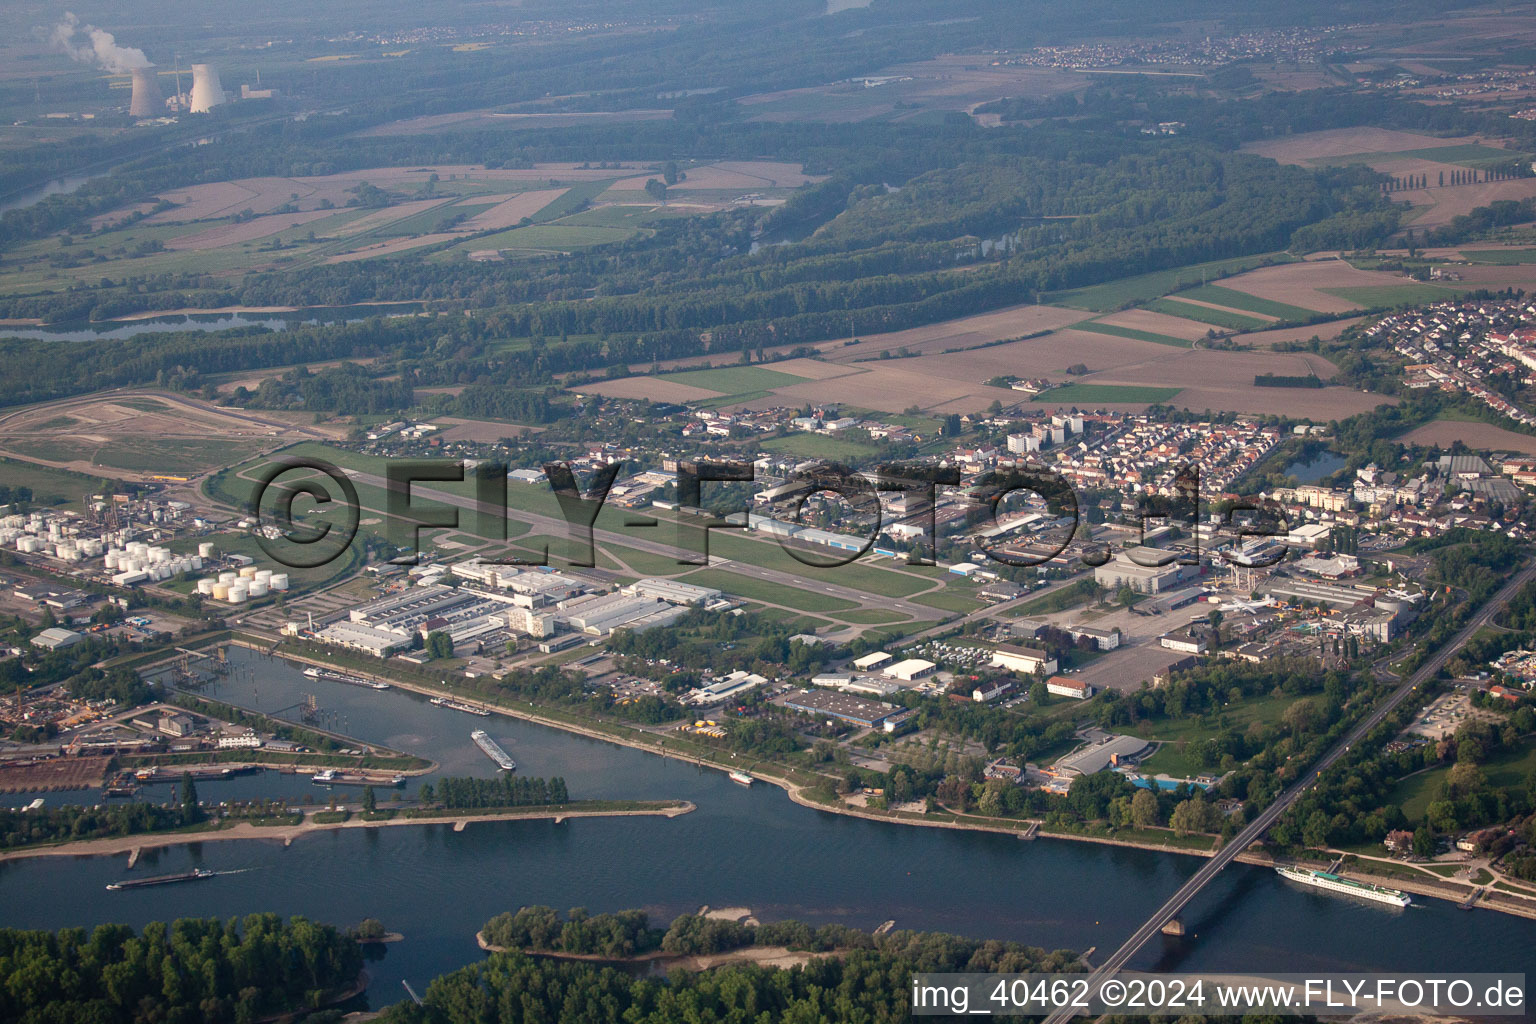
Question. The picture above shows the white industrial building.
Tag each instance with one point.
(1022, 659)
(910, 669)
(733, 685)
(247, 740)
(55, 638)
(1122, 571)
(672, 591)
(869, 661)
(380, 643)
(601, 614)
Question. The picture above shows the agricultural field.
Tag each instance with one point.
(735, 380)
(1231, 298)
(1207, 314)
(1500, 257)
(1443, 433)
(1114, 331)
(1404, 154)
(950, 335)
(1396, 295)
(1107, 394)
(251, 225)
(1312, 284)
(1168, 323)
(1128, 291)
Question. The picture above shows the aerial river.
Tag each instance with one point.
(742, 847)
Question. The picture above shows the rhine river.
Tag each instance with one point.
(742, 847)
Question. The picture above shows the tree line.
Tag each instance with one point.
(188, 971)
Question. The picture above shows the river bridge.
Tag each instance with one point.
(1255, 831)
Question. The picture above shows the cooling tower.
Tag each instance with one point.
(206, 91)
(147, 100)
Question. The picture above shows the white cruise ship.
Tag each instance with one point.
(1364, 890)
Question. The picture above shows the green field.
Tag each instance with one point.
(1500, 257)
(858, 575)
(735, 380)
(429, 221)
(818, 446)
(871, 617)
(1097, 394)
(1214, 317)
(170, 456)
(576, 196)
(46, 482)
(1127, 291)
(625, 216)
(1507, 771)
(1130, 332)
(798, 623)
(1242, 300)
(950, 602)
(646, 563)
(767, 592)
(1170, 760)
(544, 237)
(1467, 155)
(1380, 296)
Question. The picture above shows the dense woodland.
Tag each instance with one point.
(868, 981)
(190, 971)
(504, 790)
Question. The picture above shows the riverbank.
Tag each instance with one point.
(288, 833)
(1024, 829)
(660, 961)
(154, 314)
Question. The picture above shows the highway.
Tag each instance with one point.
(1211, 868)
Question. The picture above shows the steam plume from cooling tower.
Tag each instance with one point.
(91, 45)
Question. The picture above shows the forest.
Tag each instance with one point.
(867, 980)
(504, 790)
(188, 971)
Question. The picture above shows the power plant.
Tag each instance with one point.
(147, 99)
(207, 93)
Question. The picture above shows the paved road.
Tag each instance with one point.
(558, 526)
(1272, 813)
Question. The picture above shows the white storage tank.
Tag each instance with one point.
(205, 550)
(263, 575)
(279, 581)
(196, 561)
(258, 589)
(247, 572)
(228, 577)
(110, 560)
(205, 586)
(238, 594)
